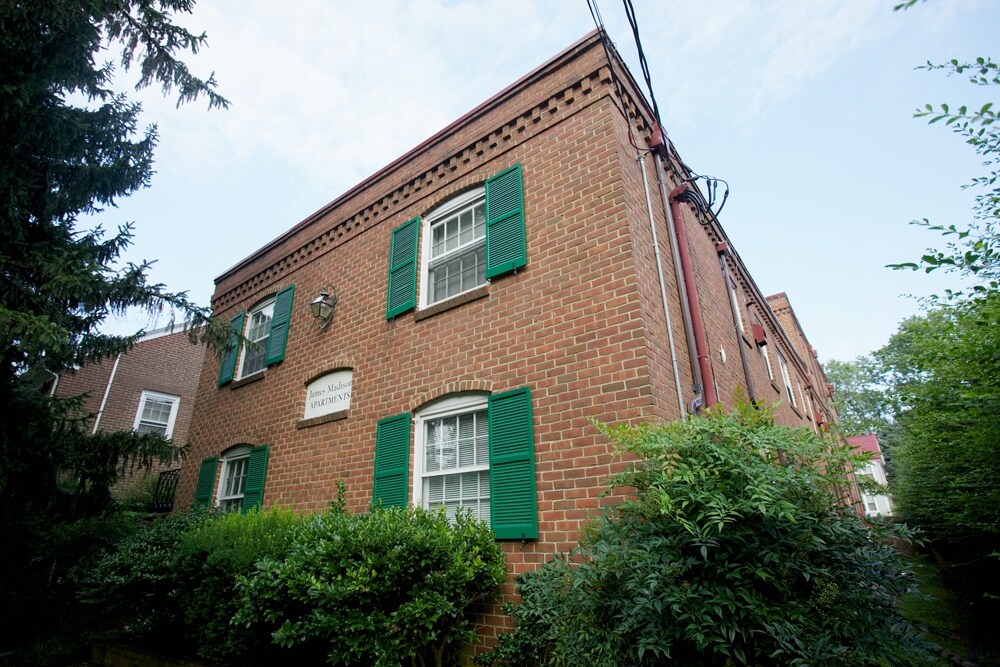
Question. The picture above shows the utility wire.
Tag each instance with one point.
(711, 183)
(609, 48)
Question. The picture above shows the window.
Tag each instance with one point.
(233, 481)
(472, 451)
(241, 484)
(156, 413)
(735, 301)
(452, 460)
(266, 324)
(786, 379)
(455, 247)
(466, 241)
(767, 362)
(258, 330)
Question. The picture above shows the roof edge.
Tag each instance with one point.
(479, 109)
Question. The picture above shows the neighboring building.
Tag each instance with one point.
(151, 388)
(498, 288)
(878, 504)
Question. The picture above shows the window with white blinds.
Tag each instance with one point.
(454, 456)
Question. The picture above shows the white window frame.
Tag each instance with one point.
(446, 407)
(789, 392)
(236, 459)
(736, 303)
(465, 200)
(264, 307)
(147, 395)
(767, 361)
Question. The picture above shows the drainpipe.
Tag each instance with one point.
(641, 159)
(691, 293)
(107, 390)
(723, 250)
(55, 382)
(696, 379)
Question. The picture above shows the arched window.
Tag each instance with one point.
(455, 247)
(232, 481)
(452, 455)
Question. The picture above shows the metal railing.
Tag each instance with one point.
(166, 486)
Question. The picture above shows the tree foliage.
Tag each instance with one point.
(734, 551)
(973, 250)
(861, 401)
(945, 369)
(70, 148)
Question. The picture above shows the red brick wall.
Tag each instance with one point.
(168, 364)
(582, 324)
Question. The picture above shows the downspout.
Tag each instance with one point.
(691, 293)
(107, 390)
(641, 159)
(55, 382)
(657, 144)
(723, 250)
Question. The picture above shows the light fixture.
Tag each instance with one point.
(322, 306)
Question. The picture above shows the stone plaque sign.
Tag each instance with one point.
(329, 393)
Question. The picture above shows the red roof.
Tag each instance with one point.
(866, 443)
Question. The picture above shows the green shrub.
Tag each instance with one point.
(41, 617)
(130, 584)
(208, 559)
(723, 557)
(392, 586)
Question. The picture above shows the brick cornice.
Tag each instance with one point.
(462, 168)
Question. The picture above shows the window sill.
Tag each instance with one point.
(322, 419)
(250, 379)
(453, 302)
(775, 387)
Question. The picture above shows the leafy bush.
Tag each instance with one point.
(131, 583)
(41, 617)
(208, 559)
(377, 589)
(724, 557)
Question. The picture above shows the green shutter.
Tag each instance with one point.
(206, 480)
(392, 457)
(505, 244)
(402, 291)
(228, 368)
(280, 318)
(253, 488)
(513, 501)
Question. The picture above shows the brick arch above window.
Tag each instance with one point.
(458, 387)
(332, 366)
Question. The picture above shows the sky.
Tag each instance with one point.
(804, 108)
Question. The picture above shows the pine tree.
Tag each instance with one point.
(70, 147)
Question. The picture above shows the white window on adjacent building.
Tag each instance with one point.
(156, 413)
(232, 481)
(783, 365)
(454, 255)
(452, 455)
(258, 330)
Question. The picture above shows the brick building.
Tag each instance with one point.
(873, 504)
(510, 279)
(151, 388)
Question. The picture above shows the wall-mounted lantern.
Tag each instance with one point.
(322, 306)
